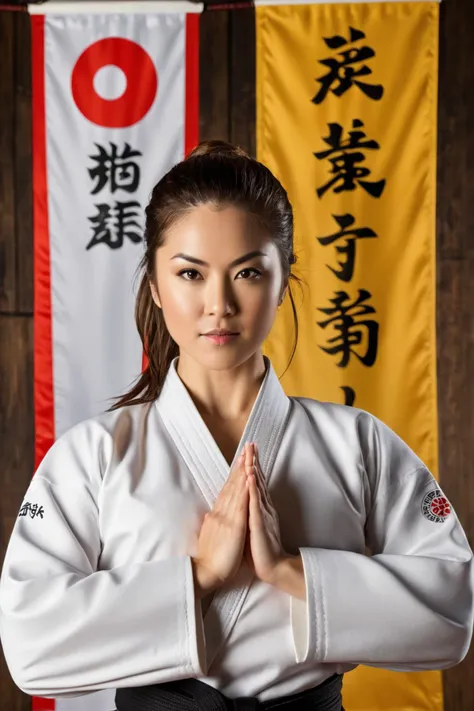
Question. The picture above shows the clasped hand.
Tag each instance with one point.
(242, 524)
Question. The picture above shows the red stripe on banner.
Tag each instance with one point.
(43, 356)
(39, 704)
(191, 130)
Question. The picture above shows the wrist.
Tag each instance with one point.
(289, 576)
(205, 582)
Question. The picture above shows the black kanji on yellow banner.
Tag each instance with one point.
(346, 118)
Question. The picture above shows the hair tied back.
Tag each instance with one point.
(217, 149)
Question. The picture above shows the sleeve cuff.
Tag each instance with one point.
(308, 619)
(194, 625)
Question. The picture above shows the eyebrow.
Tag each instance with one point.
(239, 260)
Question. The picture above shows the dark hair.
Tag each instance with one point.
(214, 172)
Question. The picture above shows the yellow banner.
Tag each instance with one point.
(346, 119)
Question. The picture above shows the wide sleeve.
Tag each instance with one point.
(69, 628)
(409, 605)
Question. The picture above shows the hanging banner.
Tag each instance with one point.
(346, 118)
(115, 106)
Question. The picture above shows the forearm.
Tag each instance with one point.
(79, 623)
(205, 582)
(289, 577)
(396, 611)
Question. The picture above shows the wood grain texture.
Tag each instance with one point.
(7, 157)
(214, 76)
(455, 289)
(242, 79)
(16, 452)
(23, 163)
(16, 293)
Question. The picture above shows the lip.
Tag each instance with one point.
(221, 340)
(223, 332)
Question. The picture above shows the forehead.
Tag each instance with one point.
(211, 231)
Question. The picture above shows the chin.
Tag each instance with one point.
(223, 357)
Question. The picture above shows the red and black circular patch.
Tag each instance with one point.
(435, 506)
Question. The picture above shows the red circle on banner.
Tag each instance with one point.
(142, 83)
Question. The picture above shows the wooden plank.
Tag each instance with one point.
(16, 293)
(214, 75)
(456, 423)
(7, 191)
(455, 290)
(23, 163)
(242, 79)
(16, 452)
(456, 77)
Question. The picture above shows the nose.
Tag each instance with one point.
(220, 298)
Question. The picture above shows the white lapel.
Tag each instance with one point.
(265, 426)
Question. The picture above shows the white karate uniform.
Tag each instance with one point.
(97, 587)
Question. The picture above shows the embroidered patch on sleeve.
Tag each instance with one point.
(435, 506)
(33, 510)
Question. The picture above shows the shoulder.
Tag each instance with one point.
(339, 416)
(381, 448)
(86, 450)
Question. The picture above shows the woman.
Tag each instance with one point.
(207, 538)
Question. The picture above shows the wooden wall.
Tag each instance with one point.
(16, 292)
(228, 111)
(455, 289)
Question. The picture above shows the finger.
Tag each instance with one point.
(236, 470)
(255, 513)
(254, 487)
(234, 488)
(248, 459)
(236, 500)
(230, 486)
(267, 499)
(256, 463)
(248, 454)
(239, 472)
(250, 463)
(262, 486)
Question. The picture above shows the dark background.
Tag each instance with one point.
(227, 110)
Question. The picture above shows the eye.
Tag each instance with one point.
(188, 271)
(257, 274)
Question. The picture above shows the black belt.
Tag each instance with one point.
(194, 695)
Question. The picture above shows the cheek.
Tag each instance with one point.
(178, 301)
(264, 298)
(260, 309)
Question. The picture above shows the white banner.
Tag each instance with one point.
(114, 107)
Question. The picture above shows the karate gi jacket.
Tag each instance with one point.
(97, 586)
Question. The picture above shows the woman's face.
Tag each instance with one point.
(200, 286)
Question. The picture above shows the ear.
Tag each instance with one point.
(154, 294)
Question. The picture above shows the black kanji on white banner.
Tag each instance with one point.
(117, 171)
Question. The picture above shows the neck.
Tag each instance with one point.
(224, 394)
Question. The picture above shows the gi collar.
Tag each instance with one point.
(265, 425)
